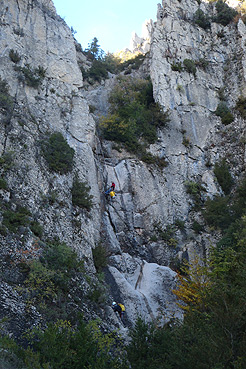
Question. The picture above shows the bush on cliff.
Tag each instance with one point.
(134, 116)
(81, 194)
(6, 101)
(225, 13)
(201, 19)
(58, 154)
(224, 113)
(222, 173)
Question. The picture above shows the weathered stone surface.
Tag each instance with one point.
(146, 287)
(191, 143)
(142, 44)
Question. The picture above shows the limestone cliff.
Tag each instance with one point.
(138, 271)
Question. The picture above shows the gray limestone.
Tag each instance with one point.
(138, 269)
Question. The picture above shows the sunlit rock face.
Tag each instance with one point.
(142, 44)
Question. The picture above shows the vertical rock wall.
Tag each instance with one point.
(139, 271)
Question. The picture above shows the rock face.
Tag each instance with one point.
(142, 44)
(138, 271)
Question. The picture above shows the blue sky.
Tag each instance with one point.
(111, 21)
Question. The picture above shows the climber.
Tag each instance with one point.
(110, 189)
(118, 308)
(112, 194)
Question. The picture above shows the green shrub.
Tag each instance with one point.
(241, 106)
(97, 293)
(58, 154)
(81, 194)
(40, 284)
(3, 184)
(14, 56)
(134, 116)
(62, 346)
(177, 67)
(180, 88)
(6, 101)
(50, 275)
(225, 13)
(201, 19)
(98, 71)
(197, 227)
(3, 230)
(36, 228)
(15, 219)
(239, 200)
(133, 63)
(7, 160)
(49, 199)
(180, 224)
(224, 113)
(60, 257)
(217, 212)
(100, 257)
(202, 63)
(226, 212)
(33, 77)
(195, 189)
(223, 176)
(221, 94)
(190, 66)
(102, 63)
(148, 158)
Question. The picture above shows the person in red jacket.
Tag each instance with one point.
(110, 189)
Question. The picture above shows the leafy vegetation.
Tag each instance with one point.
(36, 228)
(14, 56)
(6, 101)
(224, 212)
(13, 220)
(197, 227)
(81, 194)
(102, 64)
(217, 212)
(224, 112)
(47, 278)
(60, 346)
(166, 234)
(58, 154)
(134, 116)
(225, 13)
(7, 160)
(241, 106)
(201, 19)
(223, 176)
(212, 334)
(3, 184)
(33, 77)
(99, 257)
(190, 66)
(195, 189)
(202, 63)
(177, 67)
